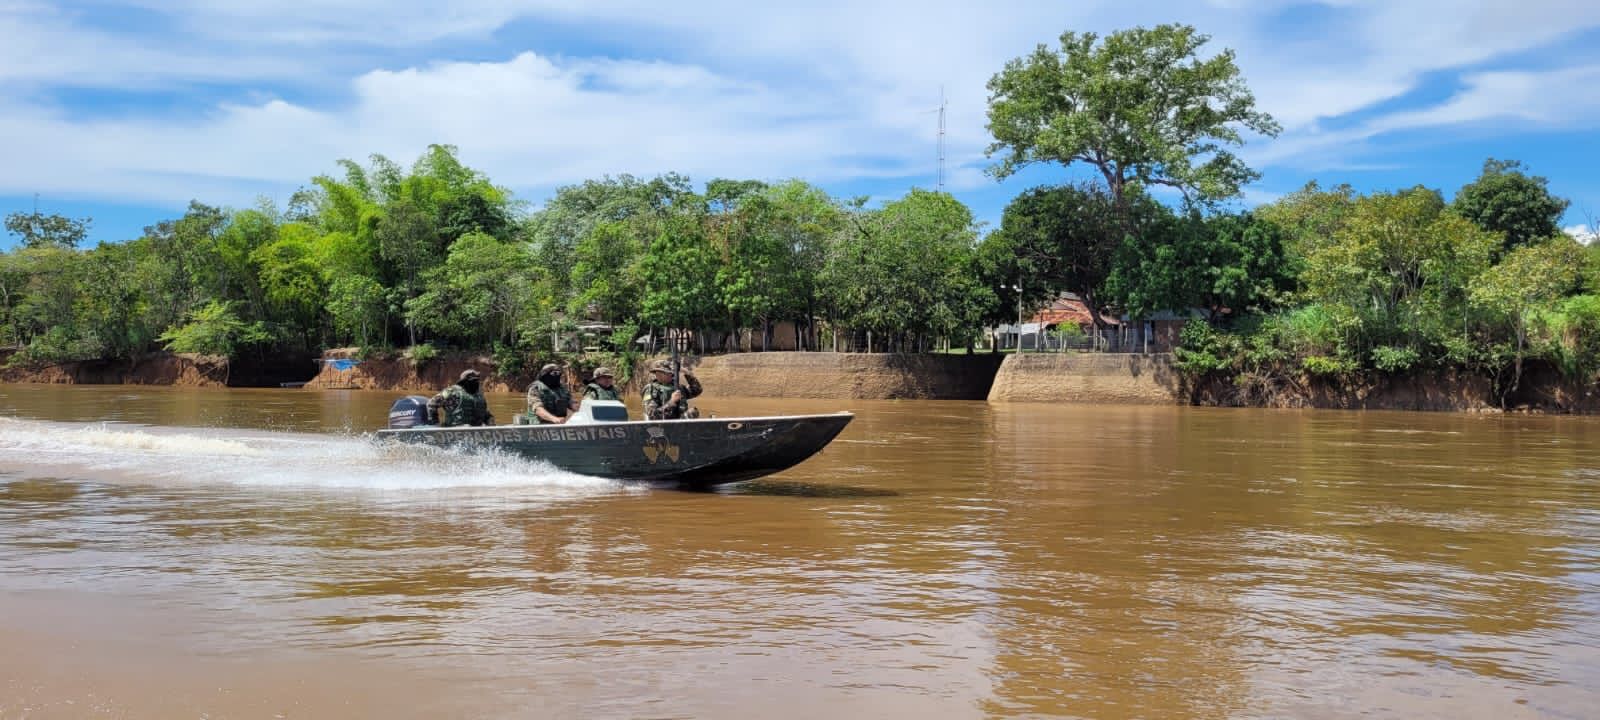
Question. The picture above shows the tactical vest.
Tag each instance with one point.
(557, 402)
(463, 408)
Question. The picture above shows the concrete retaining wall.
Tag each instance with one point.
(845, 376)
(1104, 378)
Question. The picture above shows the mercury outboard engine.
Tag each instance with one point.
(409, 412)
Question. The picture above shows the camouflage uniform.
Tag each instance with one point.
(595, 392)
(461, 407)
(556, 401)
(658, 403)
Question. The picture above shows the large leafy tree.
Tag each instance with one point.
(907, 272)
(1310, 217)
(560, 226)
(1505, 199)
(605, 278)
(482, 293)
(774, 241)
(678, 274)
(1140, 106)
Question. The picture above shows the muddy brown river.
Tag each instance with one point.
(185, 554)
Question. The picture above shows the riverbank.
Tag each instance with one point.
(1082, 378)
(1542, 389)
(182, 370)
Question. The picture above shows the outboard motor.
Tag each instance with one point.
(409, 412)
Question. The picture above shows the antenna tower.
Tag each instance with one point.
(941, 138)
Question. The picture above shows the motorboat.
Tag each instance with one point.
(599, 440)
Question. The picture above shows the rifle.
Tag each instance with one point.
(676, 366)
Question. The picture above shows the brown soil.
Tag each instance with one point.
(184, 370)
(1542, 390)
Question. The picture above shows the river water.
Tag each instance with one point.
(246, 553)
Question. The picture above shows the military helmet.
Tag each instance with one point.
(603, 371)
(549, 368)
(662, 366)
(468, 374)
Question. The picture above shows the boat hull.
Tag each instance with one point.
(699, 453)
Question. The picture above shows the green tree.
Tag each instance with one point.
(1310, 217)
(359, 307)
(774, 241)
(1139, 106)
(908, 273)
(605, 276)
(679, 277)
(1529, 281)
(1506, 200)
(215, 329)
(573, 213)
(799, 221)
(1222, 262)
(112, 307)
(294, 283)
(37, 229)
(481, 294)
(1066, 238)
(1401, 263)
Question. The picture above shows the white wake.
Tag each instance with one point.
(114, 452)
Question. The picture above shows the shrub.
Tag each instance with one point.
(1201, 349)
(1327, 366)
(1391, 359)
(509, 359)
(420, 355)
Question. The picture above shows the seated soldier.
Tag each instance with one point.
(664, 400)
(602, 388)
(548, 402)
(462, 402)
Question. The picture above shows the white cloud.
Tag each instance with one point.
(1584, 233)
(529, 122)
(826, 90)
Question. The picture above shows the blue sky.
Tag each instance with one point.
(124, 110)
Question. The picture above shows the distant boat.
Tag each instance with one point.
(601, 442)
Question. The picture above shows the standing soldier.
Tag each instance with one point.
(602, 388)
(548, 402)
(663, 400)
(462, 403)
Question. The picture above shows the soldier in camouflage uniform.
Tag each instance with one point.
(665, 401)
(548, 402)
(462, 403)
(601, 388)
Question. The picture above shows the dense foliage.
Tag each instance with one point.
(1395, 282)
(436, 256)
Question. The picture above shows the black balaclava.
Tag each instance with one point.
(470, 386)
(551, 380)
